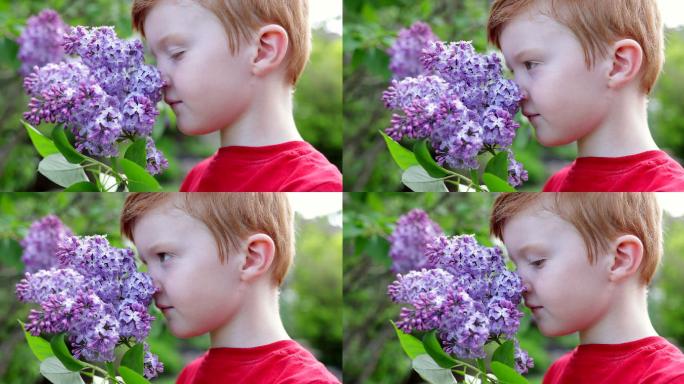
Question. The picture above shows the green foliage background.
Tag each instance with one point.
(370, 27)
(372, 353)
(317, 101)
(311, 297)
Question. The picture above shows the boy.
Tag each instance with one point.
(217, 260)
(586, 261)
(585, 68)
(231, 66)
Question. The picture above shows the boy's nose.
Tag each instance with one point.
(525, 94)
(166, 80)
(526, 287)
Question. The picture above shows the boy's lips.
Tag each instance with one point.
(172, 103)
(533, 308)
(163, 307)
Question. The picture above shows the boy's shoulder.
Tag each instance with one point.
(651, 171)
(294, 166)
(282, 362)
(652, 360)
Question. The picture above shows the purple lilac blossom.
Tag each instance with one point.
(411, 235)
(151, 364)
(41, 41)
(405, 52)
(459, 101)
(95, 295)
(105, 95)
(466, 293)
(40, 243)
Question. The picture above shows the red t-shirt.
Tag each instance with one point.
(282, 362)
(293, 166)
(652, 360)
(650, 171)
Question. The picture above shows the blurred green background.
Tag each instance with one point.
(370, 27)
(311, 297)
(317, 102)
(372, 354)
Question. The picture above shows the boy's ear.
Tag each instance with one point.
(272, 43)
(259, 253)
(627, 57)
(628, 251)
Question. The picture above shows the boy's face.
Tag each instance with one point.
(207, 86)
(564, 291)
(563, 99)
(197, 294)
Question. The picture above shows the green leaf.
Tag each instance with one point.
(43, 144)
(40, 347)
(111, 371)
(56, 168)
(402, 156)
(418, 180)
(411, 345)
(137, 152)
(498, 166)
(505, 354)
(434, 349)
(82, 186)
(138, 178)
(482, 375)
(54, 370)
(59, 348)
(64, 146)
(431, 372)
(133, 358)
(132, 377)
(495, 184)
(506, 374)
(420, 149)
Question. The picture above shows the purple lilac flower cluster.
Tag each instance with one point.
(96, 296)
(41, 41)
(466, 293)
(40, 243)
(405, 52)
(459, 101)
(409, 239)
(105, 96)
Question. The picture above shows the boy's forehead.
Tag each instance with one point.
(172, 17)
(530, 30)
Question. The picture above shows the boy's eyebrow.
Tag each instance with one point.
(524, 250)
(164, 40)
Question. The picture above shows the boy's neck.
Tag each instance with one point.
(267, 121)
(626, 320)
(256, 323)
(625, 130)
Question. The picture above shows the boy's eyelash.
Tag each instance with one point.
(538, 263)
(177, 55)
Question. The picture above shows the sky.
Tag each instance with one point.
(314, 204)
(327, 12)
(672, 203)
(672, 11)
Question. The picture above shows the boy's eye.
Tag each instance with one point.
(163, 256)
(177, 55)
(530, 64)
(538, 263)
